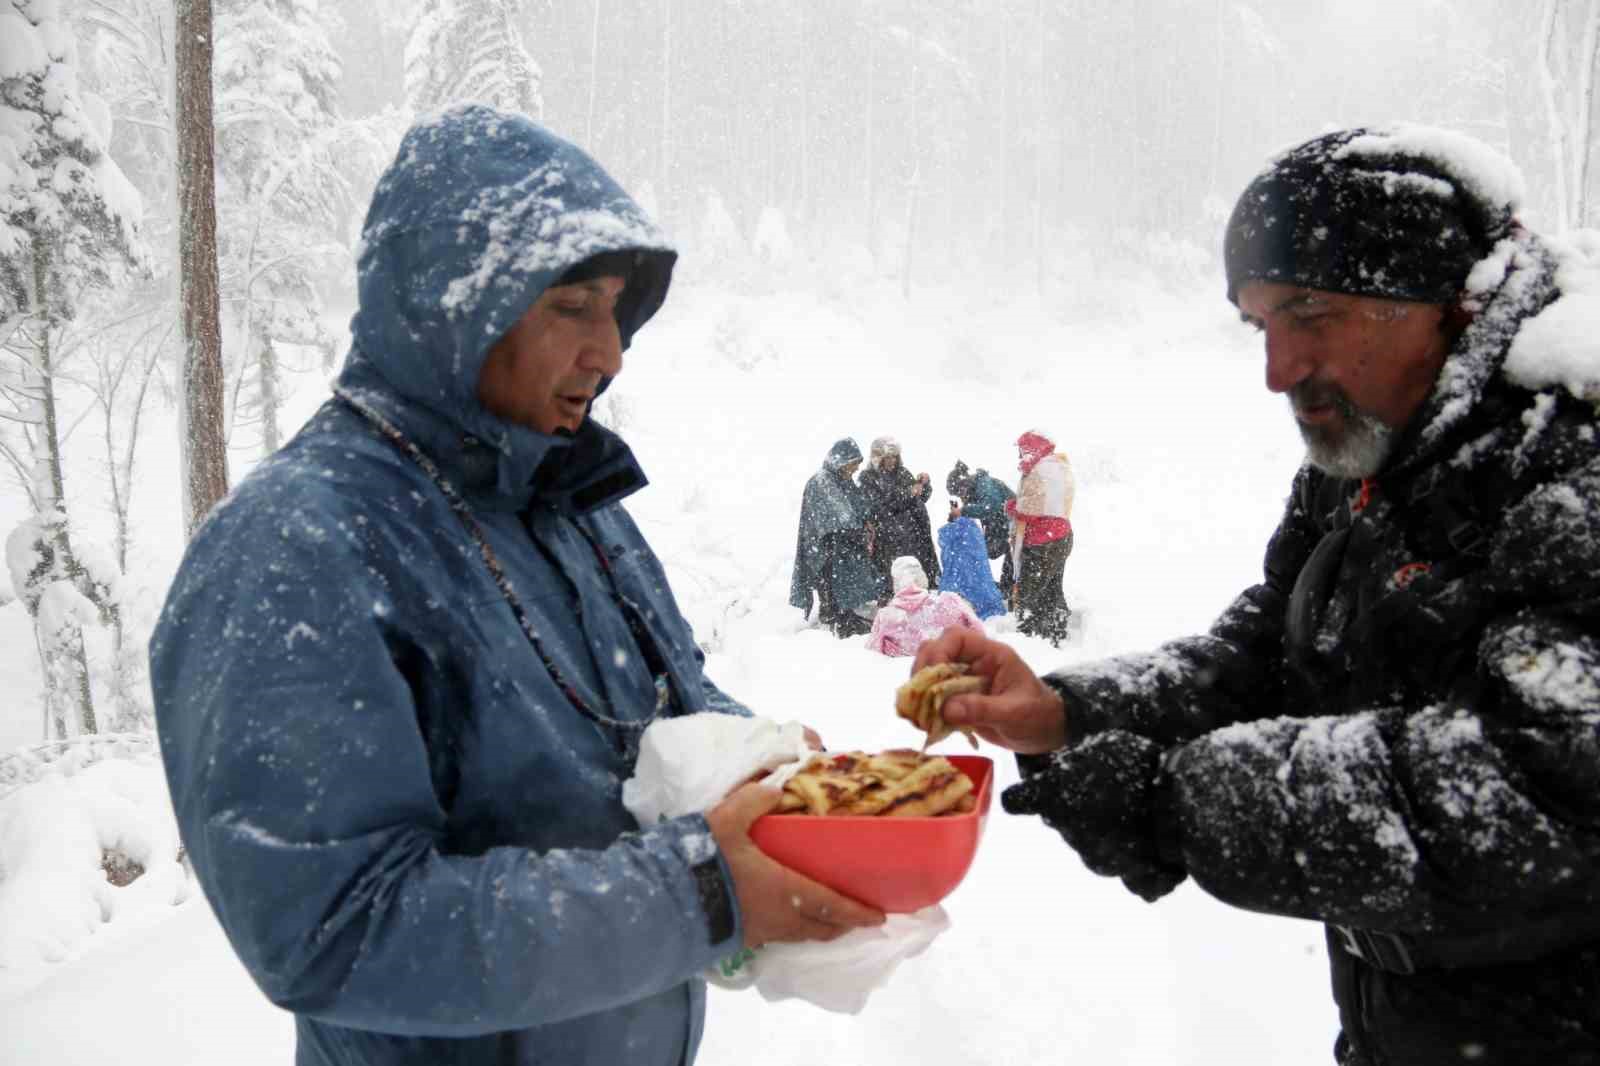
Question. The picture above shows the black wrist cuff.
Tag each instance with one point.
(1069, 700)
(712, 887)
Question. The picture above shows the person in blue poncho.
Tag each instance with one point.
(983, 498)
(966, 563)
(402, 673)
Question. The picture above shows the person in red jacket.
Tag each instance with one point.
(1041, 537)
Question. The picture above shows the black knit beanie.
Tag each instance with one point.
(957, 479)
(1366, 213)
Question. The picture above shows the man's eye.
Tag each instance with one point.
(573, 310)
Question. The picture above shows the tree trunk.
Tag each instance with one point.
(803, 215)
(1219, 79)
(271, 402)
(1041, 129)
(594, 74)
(66, 665)
(205, 460)
(1549, 81)
(1005, 136)
(666, 105)
(914, 186)
(1588, 61)
(867, 165)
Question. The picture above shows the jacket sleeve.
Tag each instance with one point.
(1412, 818)
(303, 792)
(1190, 686)
(1458, 815)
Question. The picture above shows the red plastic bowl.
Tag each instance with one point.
(898, 865)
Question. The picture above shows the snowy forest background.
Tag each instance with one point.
(1048, 152)
(947, 221)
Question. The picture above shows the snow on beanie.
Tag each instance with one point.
(1402, 213)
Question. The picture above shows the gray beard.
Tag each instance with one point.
(1357, 449)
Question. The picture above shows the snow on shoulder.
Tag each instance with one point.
(1560, 347)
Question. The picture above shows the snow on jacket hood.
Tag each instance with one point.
(1032, 447)
(480, 212)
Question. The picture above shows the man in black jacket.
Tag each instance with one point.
(1397, 732)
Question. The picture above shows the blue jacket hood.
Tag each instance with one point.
(479, 213)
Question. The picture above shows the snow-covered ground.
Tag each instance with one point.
(731, 399)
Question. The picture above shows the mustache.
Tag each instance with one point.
(1321, 394)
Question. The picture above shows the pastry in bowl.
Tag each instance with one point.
(900, 783)
(899, 860)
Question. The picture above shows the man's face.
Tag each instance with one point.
(1356, 369)
(545, 371)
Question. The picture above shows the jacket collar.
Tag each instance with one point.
(1511, 286)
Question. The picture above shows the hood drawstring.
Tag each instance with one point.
(627, 733)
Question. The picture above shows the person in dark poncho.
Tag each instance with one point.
(832, 555)
(897, 503)
(1397, 731)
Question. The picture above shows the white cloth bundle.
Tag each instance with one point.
(687, 765)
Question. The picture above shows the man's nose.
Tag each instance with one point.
(602, 349)
(1290, 358)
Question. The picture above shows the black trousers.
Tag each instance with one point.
(1042, 610)
(997, 541)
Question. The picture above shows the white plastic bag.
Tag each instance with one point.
(687, 765)
(838, 975)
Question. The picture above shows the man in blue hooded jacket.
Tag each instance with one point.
(403, 671)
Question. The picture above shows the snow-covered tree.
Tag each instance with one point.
(471, 50)
(68, 217)
(282, 189)
(68, 226)
(126, 49)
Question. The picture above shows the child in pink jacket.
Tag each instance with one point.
(915, 614)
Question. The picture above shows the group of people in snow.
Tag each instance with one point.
(854, 532)
(404, 668)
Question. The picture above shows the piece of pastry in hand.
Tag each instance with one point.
(901, 783)
(921, 699)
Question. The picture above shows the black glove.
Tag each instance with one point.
(1109, 799)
